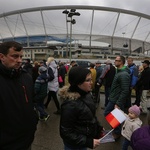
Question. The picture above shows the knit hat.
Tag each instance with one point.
(42, 69)
(77, 75)
(135, 109)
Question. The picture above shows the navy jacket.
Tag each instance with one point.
(40, 87)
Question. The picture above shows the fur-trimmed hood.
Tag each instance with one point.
(65, 94)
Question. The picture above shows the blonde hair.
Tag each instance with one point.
(141, 68)
(36, 63)
(50, 59)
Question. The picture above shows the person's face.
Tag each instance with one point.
(132, 115)
(118, 62)
(13, 59)
(129, 61)
(144, 65)
(87, 84)
(140, 69)
(97, 65)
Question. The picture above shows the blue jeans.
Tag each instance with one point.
(40, 108)
(126, 144)
(67, 148)
(110, 106)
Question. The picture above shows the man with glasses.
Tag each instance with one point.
(119, 90)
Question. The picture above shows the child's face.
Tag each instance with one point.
(132, 115)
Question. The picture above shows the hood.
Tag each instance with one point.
(137, 121)
(124, 68)
(43, 75)
(65, 94)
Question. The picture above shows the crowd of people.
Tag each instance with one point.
(26, 91)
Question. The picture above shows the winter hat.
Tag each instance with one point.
(135, 109)
(146, 62)
(77, 75)
(42, 69)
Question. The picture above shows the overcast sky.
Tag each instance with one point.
(135, 5)
(125, 24)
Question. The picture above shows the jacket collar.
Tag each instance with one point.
(64, 94)
(11, 73)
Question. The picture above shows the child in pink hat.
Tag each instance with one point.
(132, 123)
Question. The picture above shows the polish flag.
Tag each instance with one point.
(115, 118)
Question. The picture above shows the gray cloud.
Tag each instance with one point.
(135, 5)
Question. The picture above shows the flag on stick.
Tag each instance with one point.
(107, 137)
(115, 118)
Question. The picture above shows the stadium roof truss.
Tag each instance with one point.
(113, 26)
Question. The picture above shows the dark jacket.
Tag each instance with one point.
(99, 70)
(29, 68)
(144, 80)
(40, 87)
(62, 71)
(78, 124)
(35, 73)
(18, 119)
(120, 86)
(107, 75)
(140, 139)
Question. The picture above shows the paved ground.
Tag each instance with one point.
(47, 134)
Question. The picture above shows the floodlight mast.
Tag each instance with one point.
(70, 14)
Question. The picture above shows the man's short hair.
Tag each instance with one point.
(5, 46)
(72, 62)
(130, 57)
(122, 59)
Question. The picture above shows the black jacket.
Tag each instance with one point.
(144, 81)
(78, 124)
(107, 75)
(17, 117)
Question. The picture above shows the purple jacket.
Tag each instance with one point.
(140, 139)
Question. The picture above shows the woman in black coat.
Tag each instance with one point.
(79, 127)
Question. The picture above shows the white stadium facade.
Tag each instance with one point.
(77, 31)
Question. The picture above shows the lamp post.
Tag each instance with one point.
(70, 14)
(125, 45)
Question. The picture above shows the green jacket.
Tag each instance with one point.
(120, 86)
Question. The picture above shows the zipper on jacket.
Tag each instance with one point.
(25, 93)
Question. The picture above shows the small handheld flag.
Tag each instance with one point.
(115, 118)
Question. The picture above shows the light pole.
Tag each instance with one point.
(66, 13)
(125, 45)
(70, 14)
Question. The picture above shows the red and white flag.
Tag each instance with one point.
(115, 118)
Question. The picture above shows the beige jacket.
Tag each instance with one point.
(129, 126)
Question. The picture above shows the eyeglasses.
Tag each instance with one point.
(118, 60)
(88, 80)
